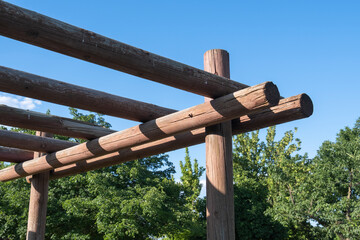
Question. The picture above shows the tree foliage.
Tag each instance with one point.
(135, 200)
(271, 187)
(310, 198)
(336, 177)
(194, 215)
(251, 191)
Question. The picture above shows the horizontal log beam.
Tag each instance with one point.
(32, 142)
(287, 110)
(231, 106)
(39, 30)
(16, 117)
(15, 155)
(33, 86)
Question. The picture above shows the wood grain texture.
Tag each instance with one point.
(38, 201)
(220, 218)
(39, 30)
(15, 155)
(32, 143)
(289, 109)
(33, 86)
(16, 117)
(225, 108)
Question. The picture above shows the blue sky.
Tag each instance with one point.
(302, 46)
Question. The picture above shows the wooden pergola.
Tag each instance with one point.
(229, 108)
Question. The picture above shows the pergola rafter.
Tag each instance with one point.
(244, 109)
(42, 31)
(288, 109)
(33, 86)
(32, 143)
(20, 118)
(15, 155)
(242, 102)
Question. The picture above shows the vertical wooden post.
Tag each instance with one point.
(219, 167)
(38, 201)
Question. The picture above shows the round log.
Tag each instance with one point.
(39, 30)
(225, 108)
(33, 86)
(21, 118)
(220, 219)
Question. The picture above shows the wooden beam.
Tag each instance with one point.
(33, 143)
(33, 86)
(220, 218)
(225, 108)
(49, 123)
(289, 109)
(39, 30)
(15, 155)
(38, 201)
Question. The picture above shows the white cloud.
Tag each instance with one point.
(19, 102)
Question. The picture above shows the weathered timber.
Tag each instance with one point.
(220, 218)
(38, 201)
(289, 109)
(39, 30)
(225, 108)
(16, 117)
(15, 155)
(32, 143)
(33, 86)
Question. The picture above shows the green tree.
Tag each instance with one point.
(190, 180)
(251, 189)
(289, 185)
(15, 195)
(272, 188)
(14, 203)
(135, 200)
(192, 215)
(336, 185)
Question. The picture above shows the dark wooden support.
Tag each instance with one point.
(220, 220)
(16, 117)
(245, 101)
(287, 110)
(38, 201)
(33, 86)
(33, 28)
(15, 155)
(33, 143)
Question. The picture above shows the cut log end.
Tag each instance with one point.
(306, 104)
(272, 93)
